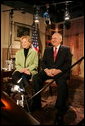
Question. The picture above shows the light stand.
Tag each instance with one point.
(9, 59)
(10, 42)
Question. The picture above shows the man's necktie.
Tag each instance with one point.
(55, 53)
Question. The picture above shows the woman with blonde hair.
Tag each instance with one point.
(26, 61)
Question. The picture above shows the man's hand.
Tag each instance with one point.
(52, 72)
(55, 71)
(48, 72)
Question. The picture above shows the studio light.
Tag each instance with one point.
(47, 18)
(36, 14)
(46, 15)
(36, 18)
(67, 15)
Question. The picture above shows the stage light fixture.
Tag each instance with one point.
(36, 18)
(67, 15)
(36, 14)
(46, 15)
(47, 18)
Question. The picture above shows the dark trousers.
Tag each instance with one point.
(17, 75)
(62, 89)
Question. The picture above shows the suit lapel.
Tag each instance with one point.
(52, 54)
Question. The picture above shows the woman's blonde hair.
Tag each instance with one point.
(26, 37)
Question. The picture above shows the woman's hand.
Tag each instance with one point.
(25, 70)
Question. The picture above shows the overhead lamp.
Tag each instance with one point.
(47, 16)
(36, 14)
(36, 18)
(67, 15)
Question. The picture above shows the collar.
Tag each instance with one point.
(56, 47)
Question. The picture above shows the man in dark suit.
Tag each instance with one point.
(56, 60)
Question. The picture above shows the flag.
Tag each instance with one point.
(35, 37)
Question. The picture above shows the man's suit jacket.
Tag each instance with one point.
(62, 62)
